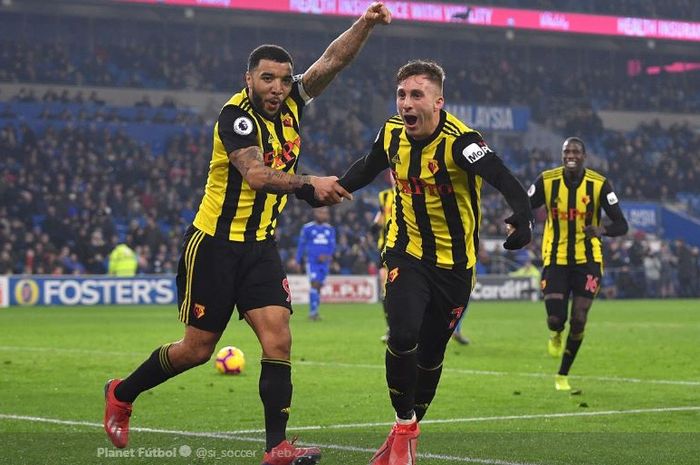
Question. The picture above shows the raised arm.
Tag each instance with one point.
(343, 49)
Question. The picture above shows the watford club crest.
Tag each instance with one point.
(433, 166)
(287, 121)
(586, 199)
(199, 310)
(393, 274)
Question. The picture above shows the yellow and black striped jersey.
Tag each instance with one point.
(570, 208)
(230, 209)
(386, 203)
(437, 210)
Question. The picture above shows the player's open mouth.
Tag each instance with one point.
(410, 120)
(570, 164)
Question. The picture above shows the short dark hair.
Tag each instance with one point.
(268, 52)
(578, 140)
(429, 69)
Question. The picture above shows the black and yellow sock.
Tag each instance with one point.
(401, 373)
(154, 371)
(276, 395)
(426, 386)
(573, 343)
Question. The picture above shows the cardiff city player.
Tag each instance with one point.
(317, 244)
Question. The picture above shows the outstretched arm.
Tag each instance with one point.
(238, 133)
(343, 49)
(249, 162)
(472, 154)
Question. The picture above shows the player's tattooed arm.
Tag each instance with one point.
(343, 49)
(249, 162)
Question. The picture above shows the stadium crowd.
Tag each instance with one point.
(80, 175)
(143, 55)
(71, 193)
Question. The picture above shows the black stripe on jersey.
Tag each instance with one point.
(571, 238)
(296, 96)
(451, 209)
(451, 129)
(229, 206)
(590, 209)
(396, 120)
(269, 231)
(401, 232)
(474, 201)
(279, 131)
(253, 223)
(420, 208)
(555, 220)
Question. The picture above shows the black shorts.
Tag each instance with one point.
(215, 275)
(434, 298)
(582, 280)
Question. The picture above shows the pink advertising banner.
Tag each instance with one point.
(472, 15)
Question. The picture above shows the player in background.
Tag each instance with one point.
(230, 258)
(381, 226)
(571, 247)
(457, 335)
(316, 246)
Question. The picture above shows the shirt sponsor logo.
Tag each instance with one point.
(475, 152)
(418, 186)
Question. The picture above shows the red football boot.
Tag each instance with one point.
(117, 415)
(403, 449)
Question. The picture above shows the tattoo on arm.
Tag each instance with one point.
(336, 57)
(245, 159)
(249, 162)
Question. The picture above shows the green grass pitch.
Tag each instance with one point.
(638, 369)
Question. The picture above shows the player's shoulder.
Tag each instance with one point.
(394, 122)
(455, 127)
(308, 225)
(240, 100)
(553, 173)
(594, 175)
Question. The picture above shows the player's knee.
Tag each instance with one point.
(430, 361)
(578, 324)
(279, 348)
(196, 355)
(555, 323)
(402, 341)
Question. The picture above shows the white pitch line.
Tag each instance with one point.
(377, 367)
(230, 436)
(484, 419)
(506, 373)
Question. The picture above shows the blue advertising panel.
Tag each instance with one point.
(92, 290)
(642, 216)
(492, 118)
